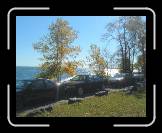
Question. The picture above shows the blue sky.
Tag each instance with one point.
(29, 29)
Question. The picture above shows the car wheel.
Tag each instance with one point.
(80, 92)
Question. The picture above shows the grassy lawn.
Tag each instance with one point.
(115, 104)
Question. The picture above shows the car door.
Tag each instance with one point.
(98, 82)
(93, 83)
(39, 90)
(51, 89)
(88, 83)
(33, 93)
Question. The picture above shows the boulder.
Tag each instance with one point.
(101, 93)
(33, 113)
(49, 108)
(74, 100)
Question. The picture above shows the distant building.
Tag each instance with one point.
(112, 71)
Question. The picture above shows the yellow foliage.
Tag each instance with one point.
(70, 68)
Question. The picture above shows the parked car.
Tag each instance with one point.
(80, 85)
(139, 80)
(120, 80)
(36, 92)
(138, 77)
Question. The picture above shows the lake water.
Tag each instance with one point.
(25, 73)
(29, 73)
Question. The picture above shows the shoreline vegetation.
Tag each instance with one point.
(115, 104)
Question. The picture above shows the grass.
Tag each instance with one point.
(115, 104)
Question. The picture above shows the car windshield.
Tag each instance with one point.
(118, 75)
(97, 78)
(79, 78)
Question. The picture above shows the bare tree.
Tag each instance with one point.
(129, 33)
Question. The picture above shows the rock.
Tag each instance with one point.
(33, 113)
(49, 108)
(42, 110)
(107, 89)
(73, 100)
(39, 111)
(101, 93)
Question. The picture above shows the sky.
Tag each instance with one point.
(30, 29)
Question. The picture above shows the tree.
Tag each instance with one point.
(107, 59)
(71, 66)
(137, 27)
(123, 63)
(58, 51)
(129, 33)
(96, 61)
(118, 32)
(139, 64)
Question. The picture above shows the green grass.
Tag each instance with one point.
(115, 104)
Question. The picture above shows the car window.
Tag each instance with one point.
(138, 75)
(117, 75)
(38, 84)
(91, 77)
(49, 84)
(19, 84)
(96, 78)
(79, 78)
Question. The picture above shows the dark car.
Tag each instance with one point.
(140, 80)
(36, 92)
(120, 80)
(80, 85)
(138, 77)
